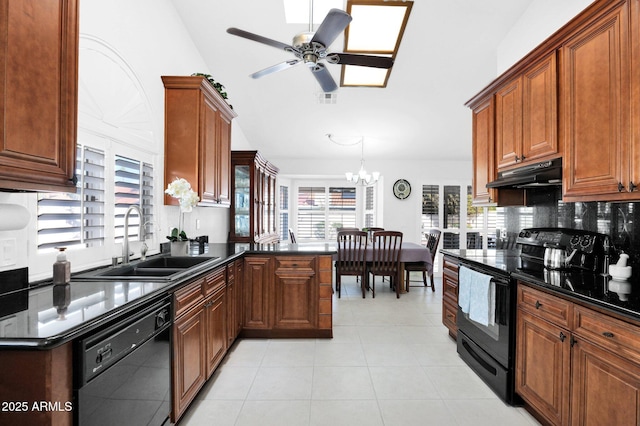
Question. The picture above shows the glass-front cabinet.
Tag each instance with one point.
(253, 208)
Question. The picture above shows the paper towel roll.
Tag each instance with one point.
(13, 217)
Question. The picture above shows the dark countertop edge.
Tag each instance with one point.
(626, 313)
(100, 321)
(577, 297)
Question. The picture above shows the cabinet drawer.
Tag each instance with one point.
(214, 281)
(449, 316)
(449, 263)
(619, 336)
(450, 289)
(187, 297)
(546, 306)
(295, 263)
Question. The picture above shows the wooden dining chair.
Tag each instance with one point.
(433, 239)
(371, 230)
(386, 259)
(351, 257)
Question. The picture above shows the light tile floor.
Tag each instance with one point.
(390, 362)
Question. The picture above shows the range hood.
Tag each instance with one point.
(545, 173)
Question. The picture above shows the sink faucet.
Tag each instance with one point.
(125, 247)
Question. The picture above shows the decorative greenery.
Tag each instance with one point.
(219, 87)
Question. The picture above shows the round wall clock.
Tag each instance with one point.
(401, 189)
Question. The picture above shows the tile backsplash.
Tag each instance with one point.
(614, 219)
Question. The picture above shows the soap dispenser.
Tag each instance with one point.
(61, 268)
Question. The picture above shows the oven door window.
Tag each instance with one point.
(501, 315)
(492, 331)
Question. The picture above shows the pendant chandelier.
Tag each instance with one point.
(362, 177)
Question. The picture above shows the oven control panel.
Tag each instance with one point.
(584, 241)
(591, 247)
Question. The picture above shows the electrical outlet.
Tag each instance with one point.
(8, 252)
(197, 223)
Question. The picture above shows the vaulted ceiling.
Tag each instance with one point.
(448, 54)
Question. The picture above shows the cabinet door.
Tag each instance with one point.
(223, 189)
(508, 122)
(483, 152)
(239, 283)
(39, 92)
(543, 355)
(189, 359)
(215, 310)
(605, 387)
(257, 279)
(450, 294)
(595, 82)
(295, 292)
(231, 295)
(209, 156)
(540, 110)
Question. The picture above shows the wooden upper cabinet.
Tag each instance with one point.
(595, 65)
(483, 151)
(198, 138)
(526, 116)
(508, 130)
(38, 94)
(540, 111)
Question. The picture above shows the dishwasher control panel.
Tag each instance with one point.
(103, 349)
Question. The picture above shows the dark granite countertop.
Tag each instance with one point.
(622, 297)
(45, 316)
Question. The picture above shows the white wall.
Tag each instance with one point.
(148, 39)
(541, 19)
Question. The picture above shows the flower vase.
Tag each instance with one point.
(179, 248)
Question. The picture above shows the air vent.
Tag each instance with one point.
(327, 98)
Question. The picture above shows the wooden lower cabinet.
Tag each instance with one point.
(257, 292)
(215, 310)
(542, 367)
(606, 387)
(189, 359)
(576, 365)
(450, 266)
(199, 336)
(287, 296)
(36, 375)
(296, 292)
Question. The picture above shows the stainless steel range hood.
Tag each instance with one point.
(545, 173)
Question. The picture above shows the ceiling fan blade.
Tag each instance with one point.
(361, 60)
(260, 39)
(333, 24)
(275, 68)
(322, 74)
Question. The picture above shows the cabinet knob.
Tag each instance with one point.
(538, 304)
(620, 187)
(632, 186)
(562, 336)
(608, 334)
(517, 158)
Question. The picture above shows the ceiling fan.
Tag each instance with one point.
(310, 48)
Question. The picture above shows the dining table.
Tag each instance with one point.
(409, 253)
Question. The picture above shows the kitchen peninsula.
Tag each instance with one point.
(243, 290)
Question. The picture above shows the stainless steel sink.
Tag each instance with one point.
(165, 268)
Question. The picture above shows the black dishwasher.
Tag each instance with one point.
(123, 373)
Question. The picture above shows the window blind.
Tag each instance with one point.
(133, 185)
(75, 220)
